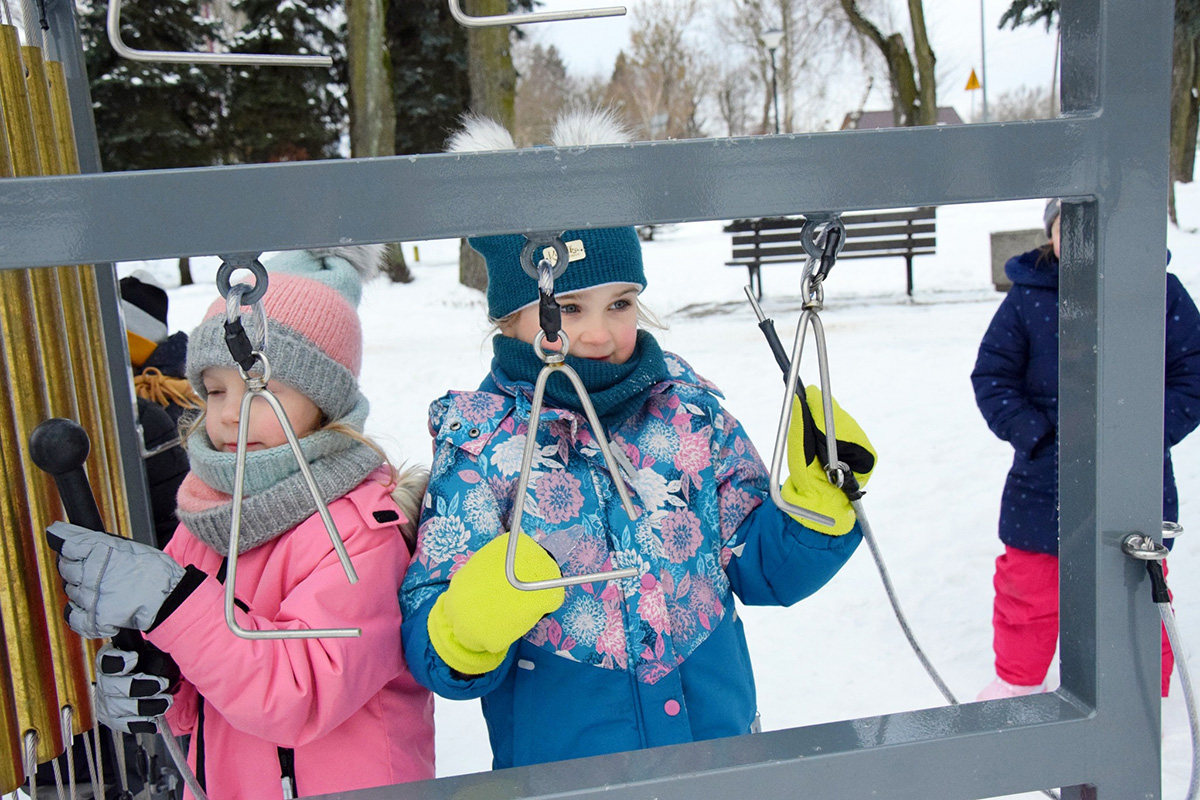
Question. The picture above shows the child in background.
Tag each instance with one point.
(1016, 388)
(652, 660)
(163, 394)
(330, 714)
(159, 359)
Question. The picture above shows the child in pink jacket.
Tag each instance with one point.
(273, 718)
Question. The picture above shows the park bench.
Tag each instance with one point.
(776, 240)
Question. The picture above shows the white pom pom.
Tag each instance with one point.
(588, 126)
(367, 259)
(480, 134)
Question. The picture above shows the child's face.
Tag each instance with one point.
(1056, 236)
(225, 389)
(600, 322)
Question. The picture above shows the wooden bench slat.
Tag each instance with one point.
(892, 247)
(851, 221)
(889, 230)
(743, 261)
(923, 213)
(921, 251)
(898, 244)
(870, 236)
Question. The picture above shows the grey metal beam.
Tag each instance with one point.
(1111, 364)
(168, 213)
(934, 753)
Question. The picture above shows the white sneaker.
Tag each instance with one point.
(1000, 688)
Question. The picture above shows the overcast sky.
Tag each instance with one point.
(1014, 58)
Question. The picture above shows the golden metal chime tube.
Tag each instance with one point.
(27, 496)
(30, 689)
(41, 382)
(86, 336)
(59, 368)
(81, 310)
(6, 165)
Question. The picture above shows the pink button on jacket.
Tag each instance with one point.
(348, 707)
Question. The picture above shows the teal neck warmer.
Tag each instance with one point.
(616, 390)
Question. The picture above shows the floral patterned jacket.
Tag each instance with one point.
(647, 661)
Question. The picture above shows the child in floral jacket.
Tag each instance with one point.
(656, 659)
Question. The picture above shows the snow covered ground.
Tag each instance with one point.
(902, 368)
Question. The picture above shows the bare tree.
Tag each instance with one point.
(659, 84)
(812, 55)
(914, 89)
(1023, 102)
(733, 89)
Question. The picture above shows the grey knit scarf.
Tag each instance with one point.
(275, 496)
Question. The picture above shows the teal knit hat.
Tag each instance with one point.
(597, 256)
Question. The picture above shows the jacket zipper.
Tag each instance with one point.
(287, 771)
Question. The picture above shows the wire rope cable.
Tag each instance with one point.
(1189, 695)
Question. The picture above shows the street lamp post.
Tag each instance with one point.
(772, 39)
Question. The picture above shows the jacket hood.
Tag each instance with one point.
(1033, 269)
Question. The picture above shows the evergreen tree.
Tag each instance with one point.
(431, 73)
(429, 65)
(153, 115)
(286, 113)
(1027, 12)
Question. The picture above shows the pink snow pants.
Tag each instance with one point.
(1025, 618)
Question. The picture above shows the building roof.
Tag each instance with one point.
(869, 120)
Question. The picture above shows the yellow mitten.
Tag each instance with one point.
(476, 619)
(808, 486)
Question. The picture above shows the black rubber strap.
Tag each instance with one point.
(549, 316)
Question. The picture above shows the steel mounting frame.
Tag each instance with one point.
(1098, 735)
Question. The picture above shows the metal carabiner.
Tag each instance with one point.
(814, 233)
(554, 362)
(468, 21)
(183, 57)
(256, 386)
(823, 236)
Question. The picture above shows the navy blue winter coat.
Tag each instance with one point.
(1016, 388)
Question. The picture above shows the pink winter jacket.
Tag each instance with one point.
(348, 707)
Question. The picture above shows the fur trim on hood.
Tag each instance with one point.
(408, 495)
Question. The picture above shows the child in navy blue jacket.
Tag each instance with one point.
(1016, 388)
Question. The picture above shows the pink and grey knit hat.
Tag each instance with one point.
(314, 336)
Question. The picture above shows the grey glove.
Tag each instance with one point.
(111, 582)
(126, 699)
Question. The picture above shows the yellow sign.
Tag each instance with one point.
(973, 82)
